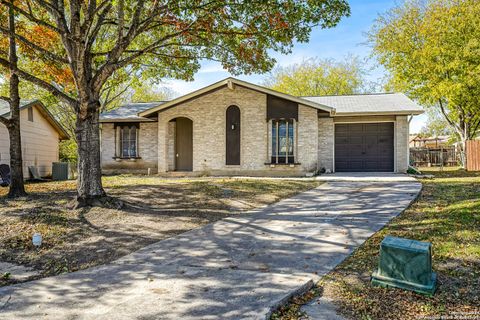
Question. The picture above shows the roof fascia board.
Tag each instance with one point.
(126, 120)
(377, 113)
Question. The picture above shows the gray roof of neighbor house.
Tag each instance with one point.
(379, 103)
(129, 112)
(5, 112)
(5, 107)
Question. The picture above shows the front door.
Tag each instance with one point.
(184, 144)
(233, 136)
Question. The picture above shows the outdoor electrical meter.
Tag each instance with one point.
(406, 264)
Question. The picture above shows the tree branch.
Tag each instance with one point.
(36, 47)
(4, 121)
(39, 82)
(6, 99)
(444, 112)
(32, 18)
(93, 35)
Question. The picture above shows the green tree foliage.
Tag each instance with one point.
(316, 77)
(436, 125)
(432, 50)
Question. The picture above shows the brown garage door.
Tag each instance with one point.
(364, 147)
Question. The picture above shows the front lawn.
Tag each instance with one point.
(447, 213)
(155, 209)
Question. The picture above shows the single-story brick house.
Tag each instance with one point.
(41, 134)
(233, 127)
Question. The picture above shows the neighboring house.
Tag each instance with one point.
(234, 127)
(417, 141)
(40, 134)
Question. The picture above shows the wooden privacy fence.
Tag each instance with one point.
(424, 157)
(473, 155)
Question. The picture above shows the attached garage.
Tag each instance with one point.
(364, 147)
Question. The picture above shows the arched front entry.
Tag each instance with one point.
(183, 144)
(233, 136)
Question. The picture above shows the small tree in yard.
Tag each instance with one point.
(17, 188)
(432, 50)
(157, 39)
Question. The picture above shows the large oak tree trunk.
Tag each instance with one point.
(89, 183)
(17, 188)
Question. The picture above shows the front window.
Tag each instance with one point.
(128, 141)
(282, 141)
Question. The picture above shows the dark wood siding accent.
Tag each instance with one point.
(126, 124)
(278, 108)
(233, 135)
(364, 147)
(184, 144)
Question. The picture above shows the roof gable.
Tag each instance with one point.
(230, 83)
(5, 112)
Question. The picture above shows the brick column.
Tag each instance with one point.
(326, 142)
(162, 144)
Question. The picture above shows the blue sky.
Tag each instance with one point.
(347, 38)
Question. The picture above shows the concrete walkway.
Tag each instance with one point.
(364, 177)
(237, 268)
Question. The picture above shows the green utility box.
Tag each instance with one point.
(406, 264)
(60, 171)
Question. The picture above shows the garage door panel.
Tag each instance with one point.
(342, 152)
(364, 147)
(356, 152)
(341, 140)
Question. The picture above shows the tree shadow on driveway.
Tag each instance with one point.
(239, 267)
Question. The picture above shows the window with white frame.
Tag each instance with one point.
(283, 141)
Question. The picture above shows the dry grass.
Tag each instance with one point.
(447, 214)
(155, 209)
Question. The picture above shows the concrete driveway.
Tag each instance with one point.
(237, 268)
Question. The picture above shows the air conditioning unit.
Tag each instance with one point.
(60, 171)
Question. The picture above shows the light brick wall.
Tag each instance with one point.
(326, 141)
(171, 145)
(147, 150)
(401, 141)
(107, 143)
(307, 138)
(208, 113)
